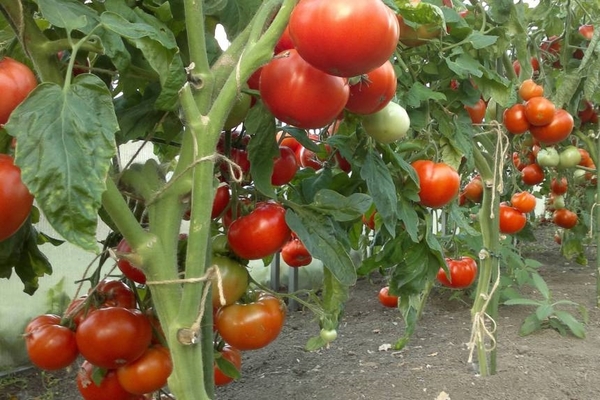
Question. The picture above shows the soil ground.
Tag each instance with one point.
(433, 366)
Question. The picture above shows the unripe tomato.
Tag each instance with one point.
(439, 183)
(16, 82)
(234, 280)
(15, 199)
(387, 125)
(548, 157)
(570, 157)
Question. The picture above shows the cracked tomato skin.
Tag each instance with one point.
(15, 200)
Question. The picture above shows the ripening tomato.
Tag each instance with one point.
(565, 218)
(115, 293)
(373, 90)
(287, 140)
(113, 336)
(260, 233)
(559, 187)
(523, 201)
(16, 82)
(15, 200)
(292, 89)
(535, 66)
(586, 114)
(253, 325)
(386, 299)
(587, 31)
(539, 111)
(529, 89)
(295, 254)
(109, 387)
(413, 37)
(308, 159)
(532, 174)
(557, 130)
(477, 112)
(586, 159)
(131, 272)
(344, 38)
(229, 355)
(284, 167)
(511, 219)
(148, 373)
(462, 273)
(50, 346)
(516, 158)
(439, 183)
(474, 189)
(234, 280)
(514, 119)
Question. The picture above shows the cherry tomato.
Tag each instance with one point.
(462, 273)
(557, 130)
(386, 299)
(284, 167)
(111, 337)
(477, 112)
(295, 254)
(15, 199)
(511, 219)
(514, 119)
(260, 233)
(523, 201)
(234, 280)
(373, 91)
(565, 218)
(251, 326)
(16, 82)
(532, 174)
(148, 373)
(292, 89)
(230, 355)
(108, 388)
(372, 26)
(529, 89)
(439, 183)
(539, 111)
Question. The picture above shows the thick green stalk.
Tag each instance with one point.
(596, 228)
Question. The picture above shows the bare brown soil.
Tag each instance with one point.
(542, 366)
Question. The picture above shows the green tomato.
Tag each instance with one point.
(239, 111)
(548, 157)
(328, 335)
(559, 202)
(579, 176)
(570, 157)
(387, 125)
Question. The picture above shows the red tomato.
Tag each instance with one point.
(535, 65)
(308, 159)
(284, 42)
(551, 50)
(565, 218)
(439, 183)
(386, 299)
(556, 131)
(474, 189)
(413, 37)
(539, 111)
(532, 174)
(344, 38)
(514, 119)
(586, 159)
(529, 89)
(287, 140)
(477, 112)
(295, 254)
(292, 90)
(369, 220)
(114, 293)
(511, 219)
(373, 91)
(111, 337)
(462, 273)
(587, 31)
(109, 387)
(50, 346)
(254, 325)
(234, 280)
(516, 158)
(284, 167)
(587, 113)
(131, 272)
(523, 201)
(16, 82)
(221, 200)
(559, 187)
(78, 309)
(230, 355)
(148, 373)
(260, 233)
(15, 199)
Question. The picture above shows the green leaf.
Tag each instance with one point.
(381, 187)
(576, 327)
(66, 142)
(565, 89)
(262, 149)
(227, 367)
(522, 302)
(340, 207)
(419, 93)
(408, 215)
(540, 285)
(530, 324)
(323, 239)
(419, 265)
(69, 14)
(479, 41)
(315, 343)
(544, 311)
(465, 66)
(237, 15)
(462, 223)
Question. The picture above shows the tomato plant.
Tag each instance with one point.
(253, 325)
(462, 273)
(15, 199)
(439, 183)
(16, 82)
(372, 26)
(386, 299)
(147, 373)
(260, 233)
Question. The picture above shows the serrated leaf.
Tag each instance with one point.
(530, 324)
(262, 149)
(408, 215)
(381, 187)
(465, 66)
(237, 15)
(462, 223)
(540, 285)
(65, 145)
(419, 93)
(479, 41)
(69, 14)
(340, 207)
(323, 240)
(576, 327)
